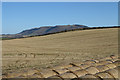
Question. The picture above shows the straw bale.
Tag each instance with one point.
(60, 71)
(83, 66)
(47, 73)
(92, 70)
(80, 73)
(55, 77)
(68, 75)
(102, 68)
(111, 65)
(113, 72)
(73, 68)
(104, 76)
(117, 63)
(89, 62)
(89, 77)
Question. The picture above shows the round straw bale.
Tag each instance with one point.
(89, 77)
(25, 73)
(76, 64)
(31, 79)
(60, 71)
(92, 70)
(67, 75)
(47, 73)
(20, 77)
(83, 66)
(113, 72)
(118, 69)
(106, 58)
(66, 66)
(12, 75)
(36, 75)
(80, 73)
(116, 59)
(110, 60)
(55, 77)
(96, 60)
(104, 75)
(73, 68)
(105, 62)
(102, 68)
(101, 63)
(117, 63)
(96, 64)
(113, 56)
(89, 62)
(111, 65)
(31, 72)
(16, 74)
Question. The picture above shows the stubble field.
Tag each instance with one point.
(57, 49)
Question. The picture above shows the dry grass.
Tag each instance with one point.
(56, 49)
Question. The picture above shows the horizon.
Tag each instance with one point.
(58, 25)
(19, 16)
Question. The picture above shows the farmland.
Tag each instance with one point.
(57, 49)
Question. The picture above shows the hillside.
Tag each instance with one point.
(50, 29)
(43, 31)
(62, 48)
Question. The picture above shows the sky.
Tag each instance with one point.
(19, 16)
(60, 0)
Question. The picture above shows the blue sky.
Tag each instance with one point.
(18, 16)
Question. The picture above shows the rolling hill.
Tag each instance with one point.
(56, 49)
(44, 30)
